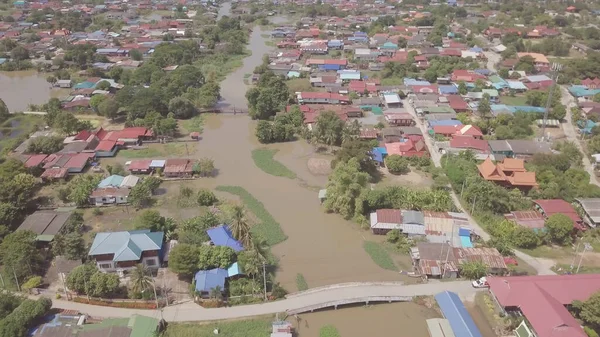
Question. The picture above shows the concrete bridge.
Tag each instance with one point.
(313, 299)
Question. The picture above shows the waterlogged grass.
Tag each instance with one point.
(218, 66)
(156, 150)
(253, 327)
(195, 124)
(329, 331)
(379, 255)
(301, 282)
(263, 159)
(268, 228)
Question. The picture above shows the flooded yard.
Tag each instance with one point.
(18, 89)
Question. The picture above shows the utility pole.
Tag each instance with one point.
(265, 279)
(16, 279)
(155, 296)
(554, 70)
(473, 206)
(586, 247)
(87, 292)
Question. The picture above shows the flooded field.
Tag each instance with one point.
(398, 319)
(21, 88)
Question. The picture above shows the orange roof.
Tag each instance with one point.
(522, 179)
(512, 164)
(489, 171)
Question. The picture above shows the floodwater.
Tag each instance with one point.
(381, 320)
(21, 88)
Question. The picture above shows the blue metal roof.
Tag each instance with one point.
(455, 312)
(210, 279)
(448, 89)
(221, 236)
(158, 163)
(465, 242)
(445, 122)
(126, 246)
(412, 81)
(234, 270)
(378, 153)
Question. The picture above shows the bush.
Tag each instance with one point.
(113, 304)
(278, 291)
(33, 282)
(206, 198)
(97, 211)
(396, 164)
(329, 331)
(301, 282)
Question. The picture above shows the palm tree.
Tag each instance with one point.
(140, 281)
(216, 293)
(259, 248)
(239, 226)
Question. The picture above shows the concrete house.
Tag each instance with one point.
(115, 251)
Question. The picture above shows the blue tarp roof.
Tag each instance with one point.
(209, 279)
(84, 85)
(448, 89)
(454, 311)
(444, 122)
(234, 270)
(221, 236)
(483, 71)
(378, 154)
(465, 242)
(412, 81)
(580, 91)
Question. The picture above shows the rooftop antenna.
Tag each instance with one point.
(555, 68)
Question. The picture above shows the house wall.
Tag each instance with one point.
(107, 153)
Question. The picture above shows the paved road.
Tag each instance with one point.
(569, 101)
(188, 312)
(542, 266)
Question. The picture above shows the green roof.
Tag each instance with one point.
(142, 326)
(45, 238)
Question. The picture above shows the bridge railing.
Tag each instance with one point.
(341, 285)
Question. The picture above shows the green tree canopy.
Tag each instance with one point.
(184, 259)
(559, 228)
(345, 185)
(473, 270)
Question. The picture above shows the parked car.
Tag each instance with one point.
(481, 283)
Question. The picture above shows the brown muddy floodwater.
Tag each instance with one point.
(325, 248)
(21, 88)
(382, 320)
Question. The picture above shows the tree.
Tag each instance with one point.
(71, 245)
(136, 55)
(139, 279)
(19, 53)
(206, 167)
(524, 237)
(345, 184)
(484, 109)
(240, 229)
(140, 196)
(152, 220)
(109, 108)
(45, 144)
(397, 164)
(473, 270)
(78, 278)
(462, 88)
(329, 128)
(360, 150)
(216, 293)
(67, 123)
(559, 228)
(102, 85)
(206, 198)
(96, 100)
(18, 252)
(208, 95)
(182, 108)
(4, 113)
(215, 257)
(264, 132)
(589, 310)
(183, 259)
(558, 112)
(103, 284)
(80, 187)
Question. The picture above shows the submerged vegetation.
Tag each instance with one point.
(263, 158)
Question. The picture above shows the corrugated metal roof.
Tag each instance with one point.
(439, 327)
(455, 312)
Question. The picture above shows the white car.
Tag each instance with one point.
(481, 283)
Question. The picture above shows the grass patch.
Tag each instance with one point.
(156, 150)
(299, 84)
(218, 66)
(268, 228)
(564, 268)
(524, 267)
(329, 331)
(301, 282)
(195, 124)
(392, 81)
(379, 255)
(487, 307)
(270, 43)
(263, 159)
(516, 100)
(253, 327)
(549, 252)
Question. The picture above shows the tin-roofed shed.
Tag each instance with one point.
(456, 313)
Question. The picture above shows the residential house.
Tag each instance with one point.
(558, 206)
(460, 143)
(222, 236)
(206, 281)
(530, 219)
(114, 251)
(410, 223)
(509, 173)
(321, 98)
(179, 168)
(543, 301)
(591, 210)
(399, 119)
(541, 62)
(407, 148)
(72, 323)
(518, 148)
(46, 223)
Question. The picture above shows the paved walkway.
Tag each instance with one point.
(189, 312)
(542, 266)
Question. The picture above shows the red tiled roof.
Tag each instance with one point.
(457, 103)
(105, 145)
(79, 160)
(542, 300)
(55, 173)
(83, 135)
(35, 160)
(554, 206)
(140, 165)
(468, 142)
(389, 216)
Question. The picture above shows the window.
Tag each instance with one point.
(106, 266)
(151, 262)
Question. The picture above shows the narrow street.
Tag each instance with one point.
(542, 266)
(569, 101)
